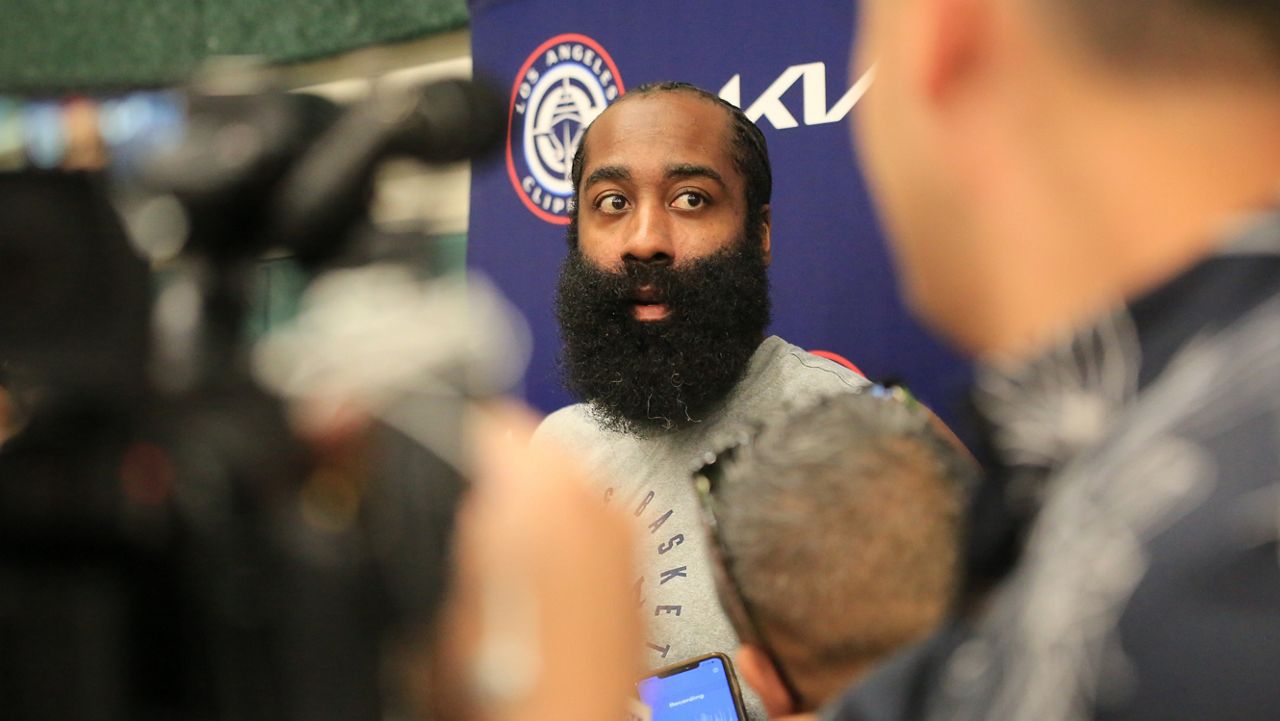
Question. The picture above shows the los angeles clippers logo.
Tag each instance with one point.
(563, 86)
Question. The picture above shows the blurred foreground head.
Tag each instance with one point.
(838, 526)
(1038, 160)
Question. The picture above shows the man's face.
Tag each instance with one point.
(665, 296)
(659, 186)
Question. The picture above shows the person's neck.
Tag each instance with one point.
(822, 684)
(1118, 205)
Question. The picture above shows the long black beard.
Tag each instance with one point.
(646, 377)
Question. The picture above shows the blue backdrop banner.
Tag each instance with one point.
(787, 65)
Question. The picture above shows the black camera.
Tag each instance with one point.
(169, 547)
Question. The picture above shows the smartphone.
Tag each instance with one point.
(699, 689)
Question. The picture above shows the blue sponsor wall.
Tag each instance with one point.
(786, 63)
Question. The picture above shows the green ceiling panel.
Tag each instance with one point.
(51, 46)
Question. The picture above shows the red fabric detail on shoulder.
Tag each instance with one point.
(837, 358)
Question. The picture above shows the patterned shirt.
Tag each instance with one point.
(1127, 545)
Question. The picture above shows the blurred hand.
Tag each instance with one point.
(539, 626)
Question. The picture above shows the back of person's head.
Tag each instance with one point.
(1036, 161)
(1183, 36)
(839, 523)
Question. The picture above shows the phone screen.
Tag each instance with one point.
(700, 692)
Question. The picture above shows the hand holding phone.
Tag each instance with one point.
(699, 689)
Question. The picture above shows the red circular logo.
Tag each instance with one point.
(562, 87)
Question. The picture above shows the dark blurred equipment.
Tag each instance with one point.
(169, 548)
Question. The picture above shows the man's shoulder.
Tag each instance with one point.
(577, 428)
(794, 374)
(567, 424)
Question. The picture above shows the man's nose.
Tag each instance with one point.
(649, 237)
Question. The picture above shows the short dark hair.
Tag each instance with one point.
(749, 149)
(1180, 35)
(842, 519)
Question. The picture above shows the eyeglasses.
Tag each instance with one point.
(740, 611)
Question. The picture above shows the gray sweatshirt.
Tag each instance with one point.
(651, 478)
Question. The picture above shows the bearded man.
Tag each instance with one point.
(663, 303)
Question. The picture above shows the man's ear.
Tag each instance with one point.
(758, 672)
(955, 33)
(766, 240)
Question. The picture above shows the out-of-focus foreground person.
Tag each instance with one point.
(837, 528)
(1083, 194)
(538, 624)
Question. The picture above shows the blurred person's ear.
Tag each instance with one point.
(951, 44)
(757, 671)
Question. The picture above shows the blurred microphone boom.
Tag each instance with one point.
(451, 121)
(442, 122)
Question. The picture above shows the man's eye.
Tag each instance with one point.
(689, 200)
(612, 203)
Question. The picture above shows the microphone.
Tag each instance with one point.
(450, 121)
(443, 122)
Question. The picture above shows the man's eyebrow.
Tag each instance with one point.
(689, 170)
(607, 172)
